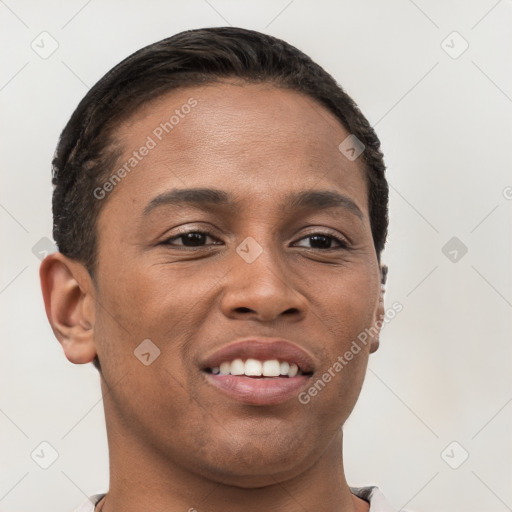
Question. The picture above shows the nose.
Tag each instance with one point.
(262, 289)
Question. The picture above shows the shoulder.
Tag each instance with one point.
(89, 504)
(373, 495)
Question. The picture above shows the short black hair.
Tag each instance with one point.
(87, 151)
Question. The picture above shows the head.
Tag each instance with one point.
(258, 121)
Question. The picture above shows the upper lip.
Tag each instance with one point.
(263, 349)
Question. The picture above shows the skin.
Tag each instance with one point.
(175, 441)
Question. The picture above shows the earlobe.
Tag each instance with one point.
(68, 299)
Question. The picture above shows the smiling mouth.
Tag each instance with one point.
(256, 369)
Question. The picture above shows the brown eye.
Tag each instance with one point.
(189, 239)
(323, 241)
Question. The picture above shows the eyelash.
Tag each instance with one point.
(343, 245)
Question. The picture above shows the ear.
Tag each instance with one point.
(68, 294)
(380, 312)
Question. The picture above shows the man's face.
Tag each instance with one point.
(192, 295)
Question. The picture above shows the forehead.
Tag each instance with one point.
(256, 139)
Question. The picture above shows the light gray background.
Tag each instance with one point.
(442, 373)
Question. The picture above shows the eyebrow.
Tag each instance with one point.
(307, 199)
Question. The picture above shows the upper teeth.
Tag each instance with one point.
(255, 368)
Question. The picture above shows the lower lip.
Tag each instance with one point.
(258, 391)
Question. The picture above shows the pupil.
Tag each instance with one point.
(195, 238)
(324, 245)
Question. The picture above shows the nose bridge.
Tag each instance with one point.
(261, 281)
(261, 260)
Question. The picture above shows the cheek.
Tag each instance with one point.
(139, 301)
(346, 313)
(154, 404)
(148, 318)
(347, 306)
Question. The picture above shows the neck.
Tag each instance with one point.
(142, 478)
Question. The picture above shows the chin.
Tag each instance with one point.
(250, 466)
(253, 477)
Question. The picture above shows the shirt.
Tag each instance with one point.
(371, 494)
